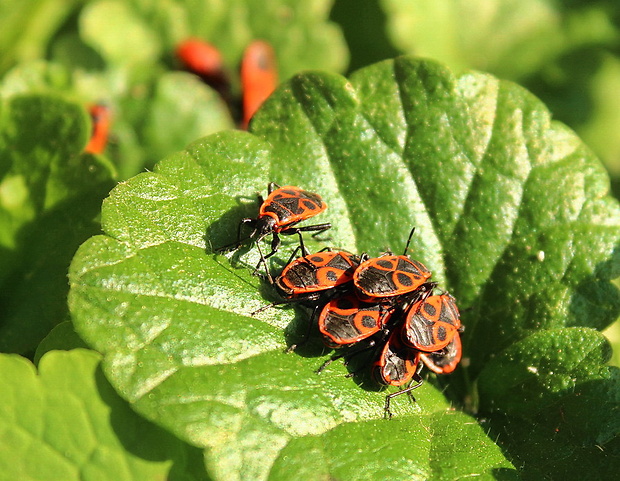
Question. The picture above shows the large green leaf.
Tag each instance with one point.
(66, 422)
(564, 52)
(198, 111)
(50, 195)
(511, 214)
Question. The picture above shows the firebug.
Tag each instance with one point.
(386, 277)
(306, 277)
(431, 323)
(259, 77)
(205, 60)
(313, 279)
(397, 365)
(312, 276)
(346, 320)
(200, 57)
(100, 116)
(447, 359)
(278, 215)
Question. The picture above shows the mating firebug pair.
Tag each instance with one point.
(428, 331)
(379, 287)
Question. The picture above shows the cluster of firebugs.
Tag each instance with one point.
(386, 304)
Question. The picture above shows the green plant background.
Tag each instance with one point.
(173, 378)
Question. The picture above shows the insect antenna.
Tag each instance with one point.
(408, 241)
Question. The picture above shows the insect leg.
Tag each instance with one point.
(317, 229)
(239, 241)
(271, 187)
(418, 382)
(264, 263)
(307, 334)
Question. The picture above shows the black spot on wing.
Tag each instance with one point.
(332, 275)
(341, 327)
(376, 281)
(369, 322)
(403, 279)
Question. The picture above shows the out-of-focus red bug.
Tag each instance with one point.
(259, 77)
(101, 117)
(200, 57)
(205, 60)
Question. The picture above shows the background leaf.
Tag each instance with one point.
(300, 32)
(198, 109)
(79, 428)
(539, 391)
(443, 29)
(564, 52)
(87, 54)
(50, 195)
(26, 28)
(96, 21)
(474, 163)
(62, 338)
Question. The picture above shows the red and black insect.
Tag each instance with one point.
(388, 308)
(101, 118)
(279, 214)
(397, 365)
(431, 323)
(205, 60)
(346, 320)
(427, 329)
(430, 333)
(311, 277)
(315, 278)
(389, 276)
(259, 77)
(445, 360)
(306, 277)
